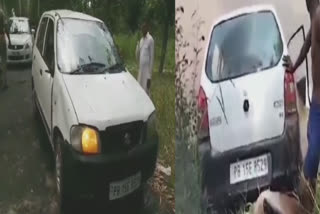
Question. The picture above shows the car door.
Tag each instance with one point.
(302, 75)
(46, 71)
(37, 57)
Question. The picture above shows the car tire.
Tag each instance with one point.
(295, 181)
(61, 190)
(35, 110)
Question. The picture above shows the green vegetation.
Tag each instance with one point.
(127, 45)
(163, 96)
(121, 16)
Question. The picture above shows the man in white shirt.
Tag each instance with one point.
(4, 32)
(145, 57)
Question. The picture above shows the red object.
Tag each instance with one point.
(203, 107)
(290, 93)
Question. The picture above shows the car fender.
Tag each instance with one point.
(63, 112)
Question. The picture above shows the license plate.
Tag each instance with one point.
(249, 169)
(15, 53)
(119, 189)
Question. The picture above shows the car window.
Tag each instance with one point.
(40, 38)
(19, 26)
(243, 45)
(87, 45)
(48, 53)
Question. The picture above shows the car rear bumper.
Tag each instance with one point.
(284, 156)
(90, 176)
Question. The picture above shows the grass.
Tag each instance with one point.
(127, 46)
(162, 94)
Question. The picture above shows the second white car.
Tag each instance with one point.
(20, 50)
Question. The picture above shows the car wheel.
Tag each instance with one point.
(206, 207)
(295, 181)
(35, 110)
(60, 175)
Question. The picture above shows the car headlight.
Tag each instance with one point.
(85, 139)
(151, 129)
(27, 46)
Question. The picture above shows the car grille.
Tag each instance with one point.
(121, 138)
(15, 47)
(15, 57)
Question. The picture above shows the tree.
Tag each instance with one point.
(134, 11)
(168, 20)
(163, 11)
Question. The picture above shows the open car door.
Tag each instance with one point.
(303, 76)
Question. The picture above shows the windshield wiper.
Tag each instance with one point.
(77, 71)
(83, 68)
(118, 67)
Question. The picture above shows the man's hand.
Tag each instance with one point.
(287, 63)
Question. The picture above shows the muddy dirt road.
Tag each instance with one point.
(26, 166)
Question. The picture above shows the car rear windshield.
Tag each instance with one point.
(243, 45)
(85, 47)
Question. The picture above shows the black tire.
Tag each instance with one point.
(138, 205)
(35, 110)
(295, 181)
(61, 190)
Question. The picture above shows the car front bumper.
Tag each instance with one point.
(19, 56)
(284, 157)
(90, 176)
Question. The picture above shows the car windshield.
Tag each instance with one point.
(243, 45)
(18, 26)
(86, 47)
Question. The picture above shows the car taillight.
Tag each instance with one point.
(290, 94)
(204, 121)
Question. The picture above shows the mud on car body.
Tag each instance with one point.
(100, 122)
(249, 135)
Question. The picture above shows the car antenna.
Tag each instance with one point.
(57, 14)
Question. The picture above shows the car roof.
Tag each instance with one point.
(19, 18)
(70, 14)
(245, 10)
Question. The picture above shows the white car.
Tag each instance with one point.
(20, 50)
(249, 136)
(100, 122)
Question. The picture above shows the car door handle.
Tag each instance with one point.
(41, 72)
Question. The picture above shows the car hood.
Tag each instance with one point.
(103, 100)
(20, 39)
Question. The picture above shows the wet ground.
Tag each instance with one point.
(26, 165)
